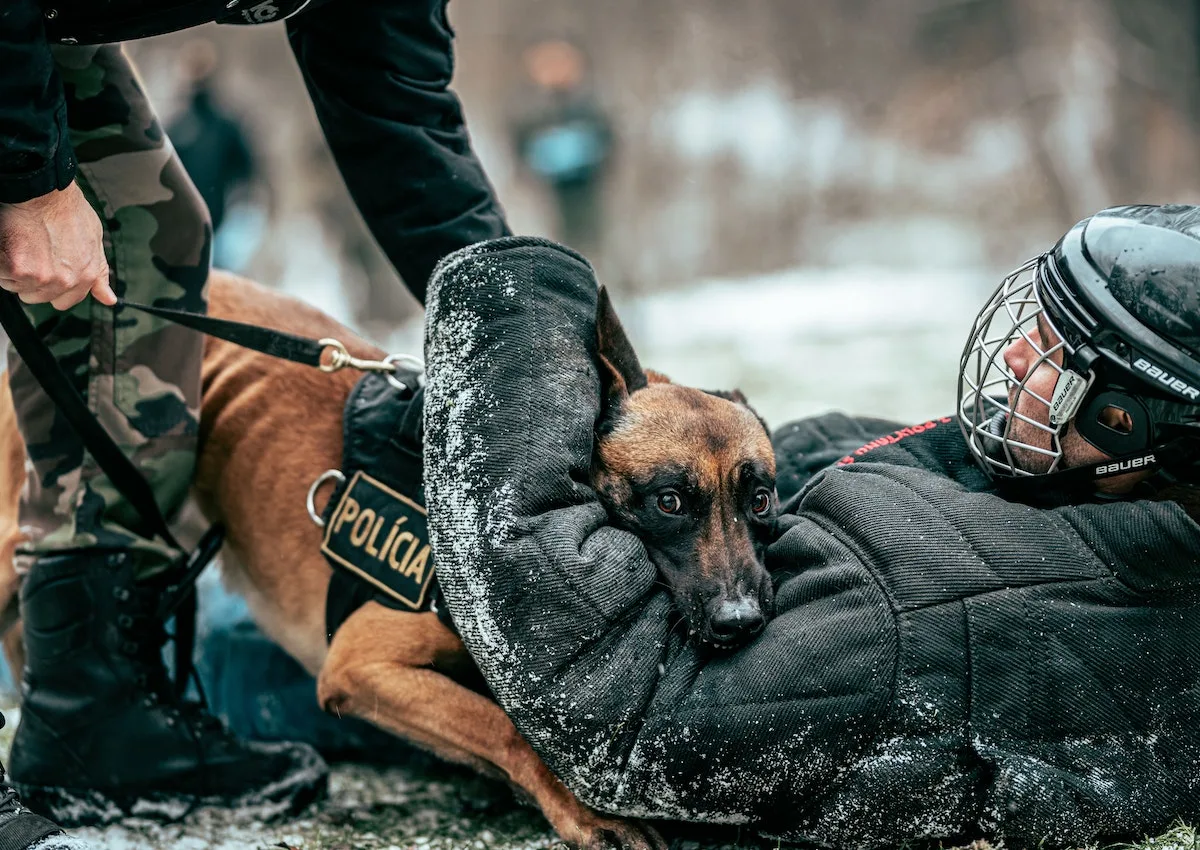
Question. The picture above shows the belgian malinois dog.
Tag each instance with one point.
(691, 473)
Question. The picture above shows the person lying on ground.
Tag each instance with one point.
(984, 625)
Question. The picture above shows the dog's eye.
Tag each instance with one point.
(669, 502)
(761, 503)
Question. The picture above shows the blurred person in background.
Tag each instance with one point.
(94, 200)
(215, 152)
(563, 137)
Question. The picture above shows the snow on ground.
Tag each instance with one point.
(427, 806)
(423, 804)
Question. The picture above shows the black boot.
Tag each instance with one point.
(102, 734)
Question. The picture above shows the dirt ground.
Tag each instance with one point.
(422, 804)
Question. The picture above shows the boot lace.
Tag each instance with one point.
(142, 638)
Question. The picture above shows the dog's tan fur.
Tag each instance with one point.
(12, 480)
(269, 428)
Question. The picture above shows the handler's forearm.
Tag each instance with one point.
(35, 151)
(379, 73)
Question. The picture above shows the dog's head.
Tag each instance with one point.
(691, 473)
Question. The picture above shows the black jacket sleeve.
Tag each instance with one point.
(35, 151)
(378, 73)
(805, 447)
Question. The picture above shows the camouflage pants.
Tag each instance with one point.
(140, 375)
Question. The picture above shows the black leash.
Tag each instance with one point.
(120, 470)
(288, 346)
(179, 600)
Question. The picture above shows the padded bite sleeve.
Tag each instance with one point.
(562, 612)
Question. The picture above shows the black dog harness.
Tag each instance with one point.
(375, 531)
(376, 537)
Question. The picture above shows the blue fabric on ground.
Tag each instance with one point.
(259, 690)
(263, 694)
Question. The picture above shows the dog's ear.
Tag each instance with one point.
(620, 371)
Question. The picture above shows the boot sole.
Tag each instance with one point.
(72, 807)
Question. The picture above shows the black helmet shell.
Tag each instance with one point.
(1150, 257)
(1123, 287)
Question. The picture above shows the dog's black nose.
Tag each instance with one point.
(730, 620)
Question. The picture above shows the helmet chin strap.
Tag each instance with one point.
(1128, 452)
(1070, 485)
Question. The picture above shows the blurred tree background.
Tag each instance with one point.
(759, 135)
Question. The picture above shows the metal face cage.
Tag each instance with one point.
(1011, 429)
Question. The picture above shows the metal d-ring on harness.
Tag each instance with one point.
(340, 358)
(179, 600)
(311, 501)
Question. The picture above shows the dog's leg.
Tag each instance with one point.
(391, 669)
(12, 481)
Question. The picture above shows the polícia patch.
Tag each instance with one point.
(382, 537)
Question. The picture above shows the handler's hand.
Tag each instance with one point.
(51, 249)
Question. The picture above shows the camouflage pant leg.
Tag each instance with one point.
(140, 375)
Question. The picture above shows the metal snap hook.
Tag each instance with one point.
(311, 502)
(339, 357)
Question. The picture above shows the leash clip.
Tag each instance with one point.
(393, 364)
(340, 358)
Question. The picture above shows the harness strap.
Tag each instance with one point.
(382, 473)
(347, 593)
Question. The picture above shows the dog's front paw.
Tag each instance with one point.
(603, 832)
